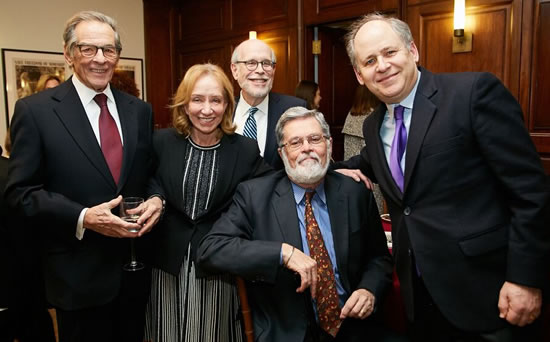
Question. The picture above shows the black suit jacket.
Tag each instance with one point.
(246, 241)
(56, 170)
(278, 104)
(239, 160)
(5, 247)
(475, 203)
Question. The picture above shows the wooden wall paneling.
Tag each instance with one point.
(159, 17)
(284, 42)
(248, 14)
(539, 114)
(204, 20)
(324, 11)
(494, 37)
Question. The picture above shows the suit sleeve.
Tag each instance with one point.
(228, 247)
(25, 190)
(510, 153)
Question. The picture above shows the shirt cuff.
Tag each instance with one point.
(80, 224)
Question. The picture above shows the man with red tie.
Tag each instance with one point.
(77, 150)
(309, 243)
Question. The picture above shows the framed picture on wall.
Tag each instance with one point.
(129, 69)
(25, 71)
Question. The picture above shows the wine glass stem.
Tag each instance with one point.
(133, 260)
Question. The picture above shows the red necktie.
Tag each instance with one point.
(328, 308)
(109, 137)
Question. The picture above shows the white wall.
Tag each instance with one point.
(38, 25)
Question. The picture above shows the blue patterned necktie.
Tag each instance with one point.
(250, 129)
(398, 146)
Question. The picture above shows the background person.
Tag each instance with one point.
(47, 82)
(310, 92)
(253, 65)
(200, 163)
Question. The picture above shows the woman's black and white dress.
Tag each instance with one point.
(184, 307)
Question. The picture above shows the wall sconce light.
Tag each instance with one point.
(462, 41)
(252, 35)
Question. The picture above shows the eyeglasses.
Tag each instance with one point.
(296, 143)
(251, 65)
(109, 51)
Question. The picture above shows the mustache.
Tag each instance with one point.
(306, 155)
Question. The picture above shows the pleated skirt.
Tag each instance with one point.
(185, 308)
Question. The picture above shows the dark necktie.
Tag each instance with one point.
(398, 146)
(109, 136)
(250, 129)
(328, 309)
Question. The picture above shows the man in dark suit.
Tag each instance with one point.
(268, 236)
(76, 150)
(467, 196)
(253, 65)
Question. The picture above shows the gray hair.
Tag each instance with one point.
(294, 113)
(235, 55)
(400, 27)
(69, 35)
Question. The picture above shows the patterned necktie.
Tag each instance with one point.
(328, 308)
(109, 136)
(398, 146)
(250, 129)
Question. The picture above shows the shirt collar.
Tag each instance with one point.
(299, 192)
(262, 106)
(86, 94)
(407, 101)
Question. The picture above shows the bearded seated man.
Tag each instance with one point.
(308, 242)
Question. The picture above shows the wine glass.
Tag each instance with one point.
(129, 215)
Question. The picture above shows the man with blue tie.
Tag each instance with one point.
(309, 243)
(465, 188)
(253, 65)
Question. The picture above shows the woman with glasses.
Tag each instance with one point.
(200, 163)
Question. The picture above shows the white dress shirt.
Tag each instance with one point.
(387, 130)
(93, 110)
(241, 114)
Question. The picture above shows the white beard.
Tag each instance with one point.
(309, 172)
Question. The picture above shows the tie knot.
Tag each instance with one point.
(398, 112)
(309, 195)
(252, 110)
(101, 99)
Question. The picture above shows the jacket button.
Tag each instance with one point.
(407, 211)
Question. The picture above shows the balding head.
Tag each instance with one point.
(255, 83)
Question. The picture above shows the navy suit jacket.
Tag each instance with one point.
(246, 241)
(278, 104)
(57, 169)
(475, 205)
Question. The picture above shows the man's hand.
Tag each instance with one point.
(359, 305)
(295, 260)
(519, 305)
(357, 176)
(151, 211)
(101, 220)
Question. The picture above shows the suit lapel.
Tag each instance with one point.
(284, 206)
(128, 121)
(73, 116)
(384, 175)
(337, 203)
(422, 115)
(270, 141)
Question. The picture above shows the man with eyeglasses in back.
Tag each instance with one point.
(253, 66)
(77, 149)
(309, 243)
